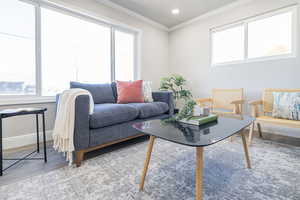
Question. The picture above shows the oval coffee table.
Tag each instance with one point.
(194, 136)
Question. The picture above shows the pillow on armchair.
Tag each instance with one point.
(286, 105)
(130, 92)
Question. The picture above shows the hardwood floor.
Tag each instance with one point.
(26, 169)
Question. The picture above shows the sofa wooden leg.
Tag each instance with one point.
(79, 157)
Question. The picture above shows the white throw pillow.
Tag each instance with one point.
(147, 91)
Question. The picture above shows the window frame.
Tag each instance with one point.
(244, 22)
(90, 17)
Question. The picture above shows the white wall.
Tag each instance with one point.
(184, 51)
(153, 64)
(189, 55)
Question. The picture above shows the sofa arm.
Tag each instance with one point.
(82, 119)
(165, 96)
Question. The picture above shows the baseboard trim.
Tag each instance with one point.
(24, 140)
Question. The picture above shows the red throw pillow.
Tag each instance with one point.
(130, 92)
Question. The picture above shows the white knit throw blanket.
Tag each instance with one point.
(63, 132)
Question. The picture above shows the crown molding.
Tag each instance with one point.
(186, 23)
(211, 13)
(133, 14)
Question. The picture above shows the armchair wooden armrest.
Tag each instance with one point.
(256, 102)
(238, 106)
(255, 107)
(203, 101)
(242, 101)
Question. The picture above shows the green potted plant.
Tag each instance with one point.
(176, 84)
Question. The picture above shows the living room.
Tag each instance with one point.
(98, 99)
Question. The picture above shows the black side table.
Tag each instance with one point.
(17, 112)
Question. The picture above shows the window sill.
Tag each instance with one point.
(255, 60)
(25, 100)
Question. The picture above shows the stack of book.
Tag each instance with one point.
(200, 120)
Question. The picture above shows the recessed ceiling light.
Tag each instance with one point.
(175, 11)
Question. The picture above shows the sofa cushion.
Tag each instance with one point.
(130, 91)
(101, 93)
(150, 109)
(110, 114)
(114, 88)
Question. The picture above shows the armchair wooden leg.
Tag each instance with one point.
(259, 129)
(79, 157)
(251, 133)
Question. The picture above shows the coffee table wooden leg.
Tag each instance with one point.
(246, 149)
(251, 133)
(148, 156)
(199, 173)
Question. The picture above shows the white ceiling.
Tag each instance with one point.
(160, 10)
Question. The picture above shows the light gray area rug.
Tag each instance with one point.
(275, 175)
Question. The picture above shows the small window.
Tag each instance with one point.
(267, 36)
(271, 36)
(228, 45)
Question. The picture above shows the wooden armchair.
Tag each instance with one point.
(230, 100)
(262, 111)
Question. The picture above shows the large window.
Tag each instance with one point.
(73, 50)
(17, 48)
(44, 48)
(124, 54)
(268, 36)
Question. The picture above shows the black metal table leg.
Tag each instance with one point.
(44, 137)
(1, 156)
(37, 133)
(17, 112)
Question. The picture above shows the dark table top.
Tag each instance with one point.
(197, 136)
(20, 111)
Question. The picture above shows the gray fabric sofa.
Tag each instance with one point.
(111, 122)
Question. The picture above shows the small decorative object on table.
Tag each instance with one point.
(205, 111)
(200, 120)
(197, 110)
(192, 114)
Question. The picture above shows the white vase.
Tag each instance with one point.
(197, 110)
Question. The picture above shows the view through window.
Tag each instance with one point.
(73, 48)
(124, 54)
(271, 36)
(265, 36)
(228, 45)
(17, 48)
